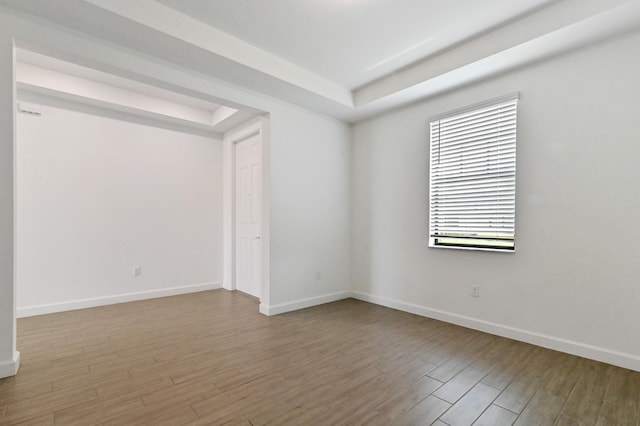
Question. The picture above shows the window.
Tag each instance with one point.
(473, 177)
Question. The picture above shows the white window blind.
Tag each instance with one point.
(473, 178)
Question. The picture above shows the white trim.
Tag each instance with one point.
(619, 359)
(10, 368)
(264, 309)
(265, 129)
(435, 246)
(29, 311)
(303, 303)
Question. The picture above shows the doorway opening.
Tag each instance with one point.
(196, 118)
(246, 216)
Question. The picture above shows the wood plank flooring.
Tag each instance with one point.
(210, 359)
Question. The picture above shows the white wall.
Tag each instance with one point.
(310, 209)
(98, 196)
(572, 284)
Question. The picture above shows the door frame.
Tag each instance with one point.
(259, 126)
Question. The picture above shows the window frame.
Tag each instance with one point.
(488, 246)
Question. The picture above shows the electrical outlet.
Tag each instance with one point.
(136, 271)
(318, 275)
(475, 291)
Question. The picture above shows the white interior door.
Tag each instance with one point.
(248, 215)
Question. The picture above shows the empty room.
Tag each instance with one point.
(319, 212)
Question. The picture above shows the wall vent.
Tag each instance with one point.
(29, 109)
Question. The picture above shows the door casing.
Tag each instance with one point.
(259, 126)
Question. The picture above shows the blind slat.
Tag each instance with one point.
(477, 144)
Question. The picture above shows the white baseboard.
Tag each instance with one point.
(619, 359)
(29, 311)
(10, 368)
(264, 309)
(303, 303)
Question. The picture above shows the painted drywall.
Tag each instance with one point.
(98, 197)
(9, 358)
(310, 207)
(309, 159)
(573, 281)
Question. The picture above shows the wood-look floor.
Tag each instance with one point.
(211, 358)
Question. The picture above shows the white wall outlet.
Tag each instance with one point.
(318, 275)
(475, 290)
(136, 271)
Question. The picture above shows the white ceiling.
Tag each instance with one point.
(350, 59)
(354, 42)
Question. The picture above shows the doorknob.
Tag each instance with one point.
(256, 238)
